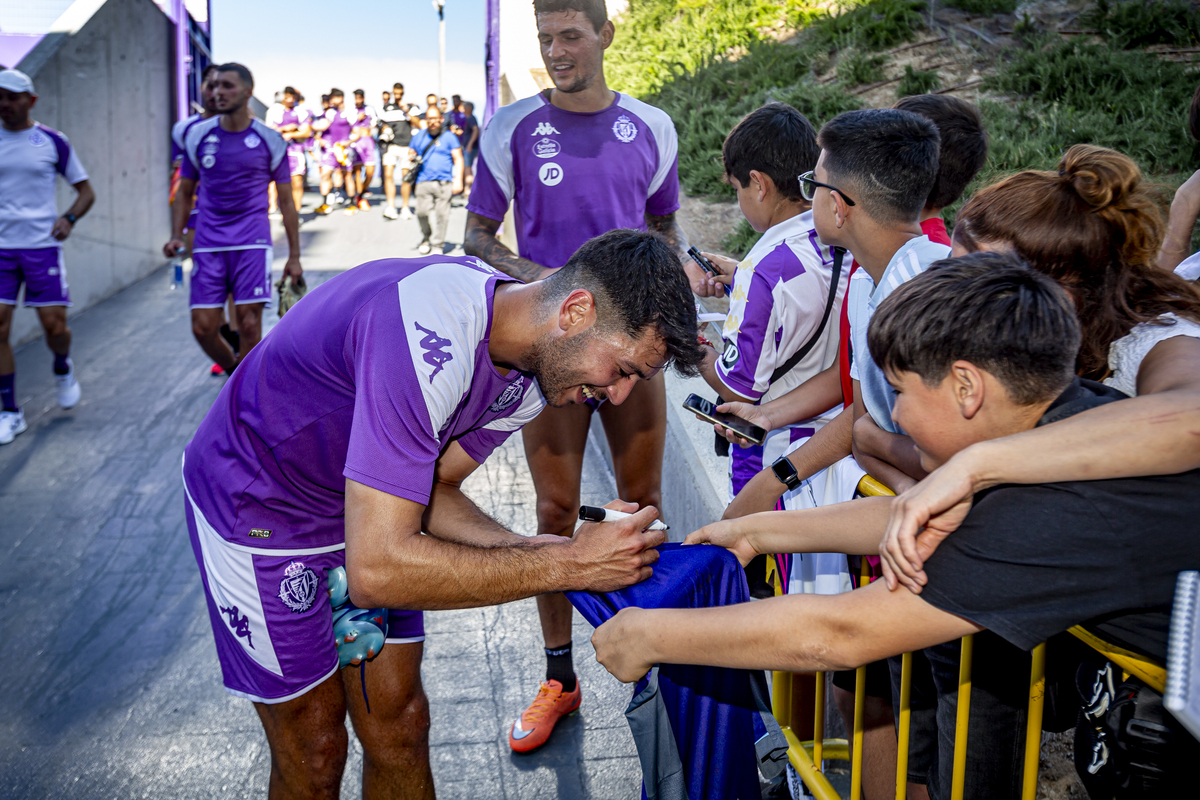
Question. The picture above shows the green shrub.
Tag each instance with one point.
(984, 6)
(875, 24)
(859, 68)
(916, 81)
(1130, 101)
(1145, 22)
(657, 39)
(706, 103)
(740, 240)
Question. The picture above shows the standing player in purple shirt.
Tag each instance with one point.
(337, 156)
(32, 156)
(293, 124)
(578, 160)
(233, 157)
(345, 436)
(362, 140)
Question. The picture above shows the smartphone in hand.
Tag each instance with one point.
(705, 409)
(704, 263)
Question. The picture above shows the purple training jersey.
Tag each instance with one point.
(279, 116)
(340, 123)
(575, 176)
(370, 377)
(233, 170)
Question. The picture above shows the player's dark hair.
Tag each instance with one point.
(885, 159)
(211, 68)
(776, 140)
(637, 282)
(594, 10)
(986, 308)
(325, 98)
(398, 85)
(243, 74)
(964, 145)
(336, 93)
(360, 93)
(291, 90)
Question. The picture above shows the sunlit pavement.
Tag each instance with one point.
(110, 678)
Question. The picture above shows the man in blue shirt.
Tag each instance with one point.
(439, 176)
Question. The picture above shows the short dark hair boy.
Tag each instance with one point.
(964, 144)
(776, 140)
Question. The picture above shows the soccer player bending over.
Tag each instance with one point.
(977, 348)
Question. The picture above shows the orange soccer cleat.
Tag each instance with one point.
(536, 723)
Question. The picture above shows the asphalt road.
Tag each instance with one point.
(111, 678)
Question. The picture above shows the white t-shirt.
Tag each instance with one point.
(1125, 355)
(29, 161)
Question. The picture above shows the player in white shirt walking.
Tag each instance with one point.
(31, 236)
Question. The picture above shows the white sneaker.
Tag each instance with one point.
(425, 249)
(389, 212)
(406, 213)
(68, 387)
(11, 423)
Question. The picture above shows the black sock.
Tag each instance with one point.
(232, 337)
(560, 667)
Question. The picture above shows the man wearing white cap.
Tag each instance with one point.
(31, 236)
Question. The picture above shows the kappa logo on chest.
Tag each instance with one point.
(544, 129)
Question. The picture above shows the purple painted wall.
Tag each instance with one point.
(492, 64)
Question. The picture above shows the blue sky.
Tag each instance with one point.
(354, 44)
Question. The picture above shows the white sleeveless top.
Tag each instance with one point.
(1125, 355)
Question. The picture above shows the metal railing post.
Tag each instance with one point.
(1033, 722)
(903, 729)
(856, 754)
(958, 777)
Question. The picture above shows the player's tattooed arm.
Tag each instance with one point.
(480, 241)
(668, 227)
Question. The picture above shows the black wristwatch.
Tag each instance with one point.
(71, 218)
(786, 473)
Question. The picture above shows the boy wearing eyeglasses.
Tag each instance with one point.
(783, 291)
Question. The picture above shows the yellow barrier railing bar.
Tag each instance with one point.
(856, 754)
(958, 777)
(818, 747)
(1155, 675)
(818, 785)
(902, 729)
(1033, 723)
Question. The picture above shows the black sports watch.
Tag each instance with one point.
(786, 473)
(71, 218)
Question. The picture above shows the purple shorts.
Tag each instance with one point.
(329, 159)
(365, 150)
(296, 163)
(270, 614)
(246, 274)
(41, 270)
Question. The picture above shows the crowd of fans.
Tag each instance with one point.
(1027, 384)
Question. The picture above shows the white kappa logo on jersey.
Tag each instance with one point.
(546, 148)
(624, 129)
(212, 137)
(544, 129)
(208, 161)
(252, 140)
(550, 174)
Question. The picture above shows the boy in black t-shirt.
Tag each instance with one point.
(977, 348)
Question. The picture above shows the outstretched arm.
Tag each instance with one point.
(1185, 208)
(816, 395)
(480, 241)
(825, 632)
(668, 227)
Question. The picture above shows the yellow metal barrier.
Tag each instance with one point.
(806, 756)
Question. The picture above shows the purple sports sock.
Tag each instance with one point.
(61, 367)
(8, 391)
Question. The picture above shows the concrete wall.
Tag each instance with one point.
(108, 88)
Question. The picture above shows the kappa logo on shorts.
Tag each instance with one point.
(624, 129)
(731, 355)
(511, 394)
(544, 129)
(298, 589)
(434, 355)
(546, 148)
(239, 623)
(550, 174)
(252, 140)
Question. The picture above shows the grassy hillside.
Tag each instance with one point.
(1117, 74)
